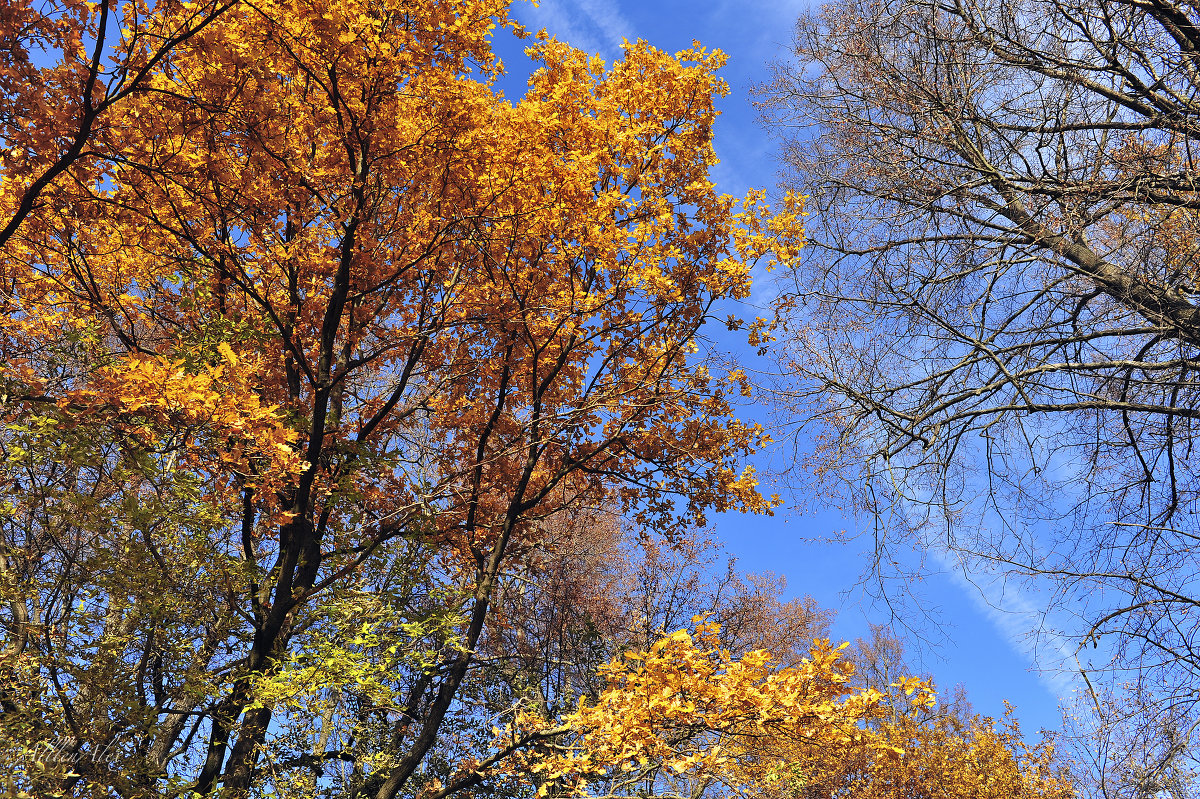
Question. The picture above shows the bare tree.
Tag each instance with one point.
(1136, 746)
(994, 337)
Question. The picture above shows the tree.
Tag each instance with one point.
(299, 364)
(591, 594)
(994, 338)
(675, 713)
(880, 663)
(943, 756)
(1135, 746)
(594, 591)
(687, 718)
(600, 592)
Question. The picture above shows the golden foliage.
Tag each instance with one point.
(689, 717)
(297, 276)
(689, 708)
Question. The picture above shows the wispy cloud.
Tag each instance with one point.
(597, 26)
(1021, 622)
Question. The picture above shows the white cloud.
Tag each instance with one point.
(1022, 623)
(597, 26)
(607, 17)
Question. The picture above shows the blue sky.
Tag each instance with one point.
(983, 647)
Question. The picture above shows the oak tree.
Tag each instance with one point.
(299, 362)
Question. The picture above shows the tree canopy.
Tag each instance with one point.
(307, 332)
(992, 338)
(354, 434)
